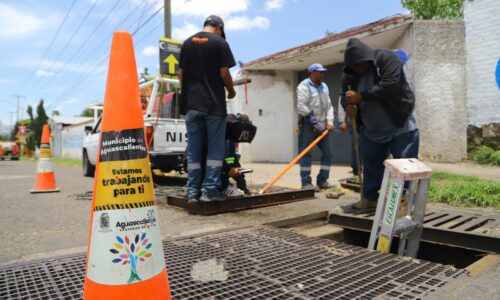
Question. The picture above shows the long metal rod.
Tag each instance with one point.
(294, 161)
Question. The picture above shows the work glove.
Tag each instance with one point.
(317, 125)
(351, 110)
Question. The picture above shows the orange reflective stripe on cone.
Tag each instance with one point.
(125, 255)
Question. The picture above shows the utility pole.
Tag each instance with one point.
(18, 97)
(11, 124)
(168, 18)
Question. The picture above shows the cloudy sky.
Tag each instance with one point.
(57, 50)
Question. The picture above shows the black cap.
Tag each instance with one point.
(214, 20)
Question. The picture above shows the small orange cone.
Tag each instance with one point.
(45, 181)
(125, 257)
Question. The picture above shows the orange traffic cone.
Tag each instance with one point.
(125, 255)
(45, 181)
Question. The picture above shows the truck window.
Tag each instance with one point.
(166, 104)
(170, 106)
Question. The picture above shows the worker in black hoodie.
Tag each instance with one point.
(374, 84)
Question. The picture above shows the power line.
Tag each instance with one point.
(62, 68)
(135, 46)
(50, 45)
(104, 41)
(72, 36)
(83, 83)
(147, 21)
(142, 15)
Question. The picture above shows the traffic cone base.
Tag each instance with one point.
(125, 254)
(45, 181)
(150, 289)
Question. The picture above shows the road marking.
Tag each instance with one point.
(10, 177)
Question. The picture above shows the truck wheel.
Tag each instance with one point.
(88, 169)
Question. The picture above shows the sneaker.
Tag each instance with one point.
(365, 205)
(215, 196)
(325, 185)
(307, 186)
(232, 191)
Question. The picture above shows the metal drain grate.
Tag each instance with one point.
(261, 263)
(275, 196)
(161, 193)
(464, 228)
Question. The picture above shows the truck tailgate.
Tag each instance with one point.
(170, 135)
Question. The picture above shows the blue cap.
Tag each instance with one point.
(316, 67)
(403, 57)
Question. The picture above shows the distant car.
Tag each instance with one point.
(164, 130)
(9, 150)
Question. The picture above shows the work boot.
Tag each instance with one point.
(366, 205)
(325, 185)
(307, 186)
(214, 196)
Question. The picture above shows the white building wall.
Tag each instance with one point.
(482, 39)
(439, 64)
(72, 140)
(271, 107)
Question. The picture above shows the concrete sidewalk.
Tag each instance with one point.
(265, 172)
(468, 168)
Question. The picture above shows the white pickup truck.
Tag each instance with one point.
(164, 128)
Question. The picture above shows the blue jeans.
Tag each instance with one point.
(206, 136)
(306, 137)
(374, 154)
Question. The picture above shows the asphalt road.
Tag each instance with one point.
(44, 225)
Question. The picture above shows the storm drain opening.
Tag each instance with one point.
(251, 263)
(452, 236)
(457, 257)
(348, 232)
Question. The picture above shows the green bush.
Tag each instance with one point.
(495, 158)
(485, 155)
(458, 190)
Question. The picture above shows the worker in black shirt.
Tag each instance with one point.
(204, 64)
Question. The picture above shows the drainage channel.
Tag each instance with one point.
(251, 263)
(353, 228)
(452, 227)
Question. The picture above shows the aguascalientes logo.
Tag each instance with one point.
(131, 253)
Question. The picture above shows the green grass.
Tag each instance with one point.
(465, 191)
(485, 155)
(59, 161)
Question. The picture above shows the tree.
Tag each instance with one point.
(37, 125)
(14, 131)
(34, 124)
(55, 113)
(328, 32)
(89, 113)
(30, 139)
(435, 9)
